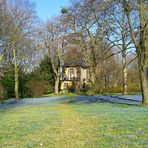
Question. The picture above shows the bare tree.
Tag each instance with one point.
(119, 36)
(4, 29)
(21, 16)
(53, 44)
(140, 39)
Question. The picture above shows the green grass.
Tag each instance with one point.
(66, 125)
(115, 94)
(68, 94)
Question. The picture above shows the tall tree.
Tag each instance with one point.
(21, 17)
(53, 44)
(119, 36)
(4, 29)
(140, 39)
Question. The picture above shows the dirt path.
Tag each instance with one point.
(74, 128)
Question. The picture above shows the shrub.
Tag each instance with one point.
(8, 82)
(117, 89)
(98, 88)
(35, 88)
(134, 87)
(2, 92)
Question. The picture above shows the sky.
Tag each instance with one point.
(46, 9)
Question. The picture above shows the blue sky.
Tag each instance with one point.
(49, 8)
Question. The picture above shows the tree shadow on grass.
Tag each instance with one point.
(133, 100)
(32, 102)
(126, 100)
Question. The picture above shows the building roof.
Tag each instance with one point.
(77, 63)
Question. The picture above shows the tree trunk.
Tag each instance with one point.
(91, 90)
(141, 47)
(124, 48)
(16, 74)
(92, 65)
(144, 85)
(124, 72)
(143, 51)
(56, 88)
(105, 83)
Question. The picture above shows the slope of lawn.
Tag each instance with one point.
(65, 122)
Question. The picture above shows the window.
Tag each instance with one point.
(65, 85)
(71, 73)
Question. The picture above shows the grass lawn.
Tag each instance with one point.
(63, 124)
(69, 94)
